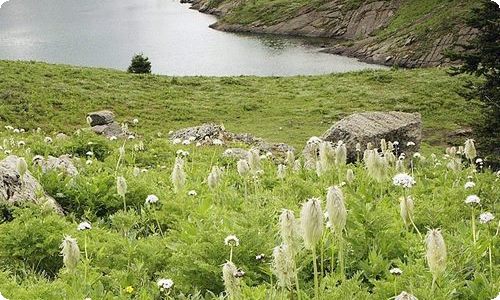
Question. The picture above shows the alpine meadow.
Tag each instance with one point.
(354, 155)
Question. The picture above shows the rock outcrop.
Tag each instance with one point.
(214, 134)
(18, 190)
(357, 24)
(103, 123)
(371, 127)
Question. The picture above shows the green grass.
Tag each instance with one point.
(288, 109)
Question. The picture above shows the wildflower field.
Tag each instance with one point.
(147, 219)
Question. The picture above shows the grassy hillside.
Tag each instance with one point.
(290, 109)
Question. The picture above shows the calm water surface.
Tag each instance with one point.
(106, 33)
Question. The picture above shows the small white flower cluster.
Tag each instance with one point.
(182, 153)
(165, 284)
(231, 240)
(486, 217)
(403, 180)
(472, 199)
(396, 271)
(84, 226)
(150, 199)
(469, 185)
(409, 144)
(192, 193)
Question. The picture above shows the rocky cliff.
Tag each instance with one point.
(397, 32)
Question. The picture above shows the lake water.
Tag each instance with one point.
(106, 33)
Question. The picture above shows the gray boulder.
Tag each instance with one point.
(374, 126)
(16, 190)
(102, 117)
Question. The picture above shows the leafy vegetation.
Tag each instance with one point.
(289, 109)
(181, 236)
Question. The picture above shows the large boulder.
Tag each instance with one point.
(371, 127)
(16, 190)
(103, 117)
(109, 130)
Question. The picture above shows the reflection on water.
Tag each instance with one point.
(106, 33)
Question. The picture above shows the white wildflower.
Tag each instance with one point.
(472, 199)
(469, 185)
(165, 284)
(231, 240)
(396, 271)
(48, 140)
(486, 217)
(409, 144)
(192, 193)
(403, 180)
(84, 226)
(151, 199)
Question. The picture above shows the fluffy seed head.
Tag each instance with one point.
(436, 252)
(178, 176)
(231, 282)
(121, 186)
(326, 156)
(341, 154)
(254, 160)
(470, 149)
(214, 177)
(349, 176)
(70, 252)
(383, 145)
(283, 266)
(405, 296)
(281, 172)
(288, 229)
(22, 167)
(335, 206)
(311, 222)
(290, 158)
(406, 209)
(243, 167)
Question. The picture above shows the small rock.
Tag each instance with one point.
(102, 117)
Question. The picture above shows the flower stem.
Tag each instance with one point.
(473, 220)
(316, 282)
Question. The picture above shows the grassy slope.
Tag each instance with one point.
(57, 97)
